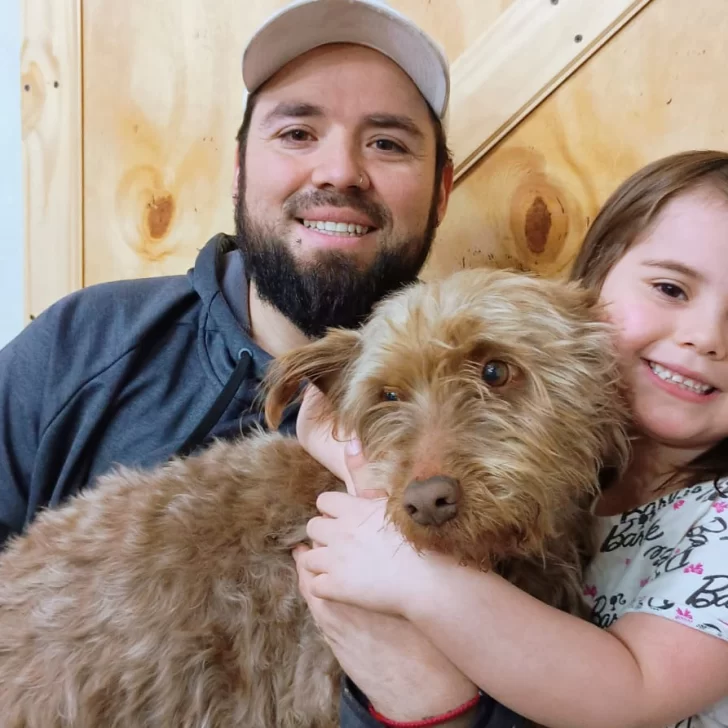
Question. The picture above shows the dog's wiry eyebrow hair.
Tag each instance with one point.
(676, 267)
(395, 121)
(291, 110)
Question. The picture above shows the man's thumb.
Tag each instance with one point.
(359, 479)
(354, 457)
(372, 493)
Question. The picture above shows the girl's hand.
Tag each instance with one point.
(361, 558)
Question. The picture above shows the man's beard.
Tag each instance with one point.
(330, 290)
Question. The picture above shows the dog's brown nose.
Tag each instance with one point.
(433, 501)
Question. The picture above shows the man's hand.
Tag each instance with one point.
(399, 670)
(339, 453)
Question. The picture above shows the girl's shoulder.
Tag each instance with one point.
(674, 510)
(668, 557)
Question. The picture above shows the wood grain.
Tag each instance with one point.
(52, 150)
(653, 90)
(162, 91)
(163, 103)
(528, 52)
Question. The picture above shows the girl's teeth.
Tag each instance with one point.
(670, 376)
(336, 228)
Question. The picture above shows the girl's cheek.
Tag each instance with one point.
(633, 328)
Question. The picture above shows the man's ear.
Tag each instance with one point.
(323, 362)
(444, 192)
(236, 174)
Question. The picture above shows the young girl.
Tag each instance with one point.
(655, 653)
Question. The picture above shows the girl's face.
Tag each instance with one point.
(668, 297)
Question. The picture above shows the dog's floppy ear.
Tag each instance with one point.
(322, 362)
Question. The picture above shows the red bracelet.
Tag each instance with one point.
(434, 720)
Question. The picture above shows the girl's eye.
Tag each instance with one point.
(671, 290)
(296, 135)
(387, 145)
(496, 373)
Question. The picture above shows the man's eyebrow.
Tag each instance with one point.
(675, 266)
(291, 109)
(301, 109)
(395, 121)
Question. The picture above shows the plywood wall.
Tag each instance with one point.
(52, 129)
(162, 104)
(154, 91)
(656, 88)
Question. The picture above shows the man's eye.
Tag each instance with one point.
(671, 290)
(387, 145)
(296, 135)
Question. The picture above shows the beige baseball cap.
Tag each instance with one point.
(307, 24)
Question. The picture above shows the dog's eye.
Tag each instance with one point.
(496, 373)
(390, 395)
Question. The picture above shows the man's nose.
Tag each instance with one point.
(340, 165)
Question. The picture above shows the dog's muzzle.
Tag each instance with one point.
(433, 501)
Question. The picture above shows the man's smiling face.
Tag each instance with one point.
(338, 196)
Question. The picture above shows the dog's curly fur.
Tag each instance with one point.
(169, 597)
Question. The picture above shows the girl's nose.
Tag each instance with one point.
(706, 333)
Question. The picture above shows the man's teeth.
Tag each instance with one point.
(337, 228)
(670, 376)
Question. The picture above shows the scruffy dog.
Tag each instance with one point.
(488, 402)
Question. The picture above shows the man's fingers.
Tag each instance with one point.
(304, 575)
(360, 477)
(311, 414)
(372, 493)
(333, 503)
(315, 561)
(319, 586)
(322, 529)
(314, 430)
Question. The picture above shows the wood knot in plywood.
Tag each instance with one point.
(537, 225)
(539, 220)
(147, 210)
(160, 210)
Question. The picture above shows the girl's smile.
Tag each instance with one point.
(687, 386)
(668, 298)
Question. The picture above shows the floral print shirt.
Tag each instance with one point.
(668, 558)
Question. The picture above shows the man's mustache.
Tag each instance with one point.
(297, 204)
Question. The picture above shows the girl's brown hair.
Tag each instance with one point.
(627, 214)
(635, 204)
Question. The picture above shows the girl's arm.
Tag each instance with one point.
(549, 666)
(561, 671)
(546, 665)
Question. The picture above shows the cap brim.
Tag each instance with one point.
(309, 24)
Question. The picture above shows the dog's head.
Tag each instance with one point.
(488, 403)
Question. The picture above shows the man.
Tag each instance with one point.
(342, 178)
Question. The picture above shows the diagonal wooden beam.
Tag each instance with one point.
(533, 47)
